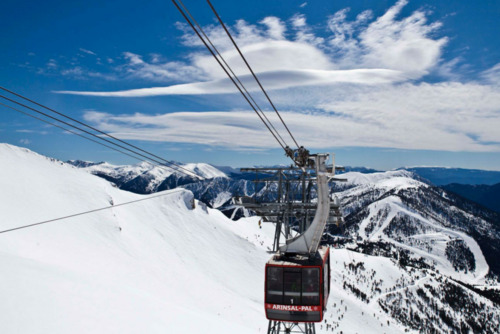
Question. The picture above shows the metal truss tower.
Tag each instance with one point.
(278, 327)
(286, 197)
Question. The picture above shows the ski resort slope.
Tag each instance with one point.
(156, 266)
(425, 237)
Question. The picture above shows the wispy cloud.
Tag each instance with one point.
(492, 75)
(388, 44)
(273, 80)
(360, 85)
(52, 64)
(412, 116)
(88, 52)
(25, 141)
(32, 131)
(155, 70)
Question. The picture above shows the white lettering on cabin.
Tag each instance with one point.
(292, 308)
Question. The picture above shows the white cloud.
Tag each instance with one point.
(448, 116)
(271, 80)
(386, 44)
(303, 33)
(402, 45)
(52, 64)
(492, 75)
(298, 20)
(31, 131)
(25, 141)
(157, 71)
(343, 41)
(355, 87)
(88, 52)
(276, 28)
(442, 116)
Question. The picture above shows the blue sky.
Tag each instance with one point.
(382, 84)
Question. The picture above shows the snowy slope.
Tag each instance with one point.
(150, 267)
(387, 217)
(145, 177)
(373, 294)
(130, 171)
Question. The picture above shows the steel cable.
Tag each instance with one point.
(225, 70)
(98, 137)
(83, 213)
(250, 68)
(94, 129)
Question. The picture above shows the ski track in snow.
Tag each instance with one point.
(396, 206)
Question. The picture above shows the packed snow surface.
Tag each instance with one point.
(156, 266)
(399, 179)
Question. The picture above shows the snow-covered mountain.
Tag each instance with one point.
(156, 266)
(216, 190)
(409, 258)
(444, 231)
(390, 206)
(447, 248)
(146, 178)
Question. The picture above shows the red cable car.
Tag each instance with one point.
(297, 287)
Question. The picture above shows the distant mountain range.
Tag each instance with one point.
(408, 187)
(486, 195)
(441, 175)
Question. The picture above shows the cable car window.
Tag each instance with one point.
(292, 285)
(274, 289)
(310, 286)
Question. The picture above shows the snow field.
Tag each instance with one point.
(148, 267)
(433, 238)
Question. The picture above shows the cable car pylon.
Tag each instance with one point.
(297, 277)
(277, 327)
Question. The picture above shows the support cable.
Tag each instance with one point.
(94, 129)
(98, 137)
(85, 212)
(230, 70)
(250, 68)
(225, 70)
(75, 133)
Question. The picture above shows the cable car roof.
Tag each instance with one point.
(300, 260)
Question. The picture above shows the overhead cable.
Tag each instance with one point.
(73, 132)
(226, 71)
(232, 73)
(250, 68)
(104, 139)
(85, 212)
(97, 130)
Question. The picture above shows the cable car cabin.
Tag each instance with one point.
(297, 287)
